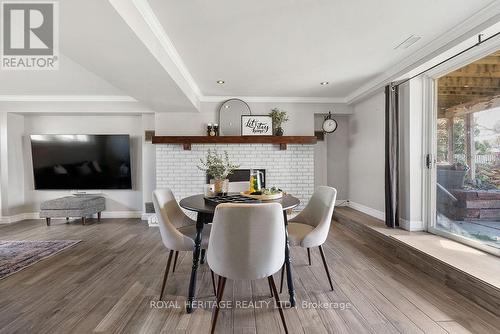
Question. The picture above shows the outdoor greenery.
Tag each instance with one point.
(217, 165)
(486, 173)
(459, 144)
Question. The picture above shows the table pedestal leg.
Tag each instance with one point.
(289, 278)
(200, 220)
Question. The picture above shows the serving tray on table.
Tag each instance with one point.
(263, 197)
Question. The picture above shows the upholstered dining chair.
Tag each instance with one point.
(177, 230)
(247, 243)
(311, 226)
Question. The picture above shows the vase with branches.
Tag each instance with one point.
(218, 167)
(279, 117)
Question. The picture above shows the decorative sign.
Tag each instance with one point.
(256, 125)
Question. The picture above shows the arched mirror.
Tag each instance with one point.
(230, 113)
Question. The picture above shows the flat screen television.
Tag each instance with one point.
(81, 162)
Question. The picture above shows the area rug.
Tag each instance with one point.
(15, 255)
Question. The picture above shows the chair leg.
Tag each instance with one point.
(270, 288)
(165, 276)
(47, 220)
(278, 303)
(326, 266)
(202, 258)
(282, 276)
(213, 282)
(175, 260)
(309, 255)
(220, 292)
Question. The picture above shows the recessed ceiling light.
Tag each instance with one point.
(220, 82)
(324, 83)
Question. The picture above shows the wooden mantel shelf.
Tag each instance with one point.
(282, 141)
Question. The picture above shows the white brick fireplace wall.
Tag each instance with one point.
(291, 170)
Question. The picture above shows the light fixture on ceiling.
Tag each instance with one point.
(221, 82)
(324, 83)
(408, 42)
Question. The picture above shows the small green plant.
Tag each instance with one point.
(279, 117)
(217, 165)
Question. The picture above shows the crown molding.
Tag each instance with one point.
(275, 99)
(125, 98)
(66, 98)
(473, 25)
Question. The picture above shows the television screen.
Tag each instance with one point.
(77, 162)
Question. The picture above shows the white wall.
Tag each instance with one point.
(11, 165)
(301, 117)
(3, 165)
(118, 202)
(366, 155)
(18, 196)
(320, 155)
(16, 163)
(338, 157)
(411, 155)
(305, 118)
(148, 160)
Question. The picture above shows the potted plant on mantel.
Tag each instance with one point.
(218, 167)
(279, 117)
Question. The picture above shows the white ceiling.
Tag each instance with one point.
(96, 36)
(166, 55)
(287, 47)
(71, 79)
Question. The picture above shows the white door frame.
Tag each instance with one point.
(429, 141)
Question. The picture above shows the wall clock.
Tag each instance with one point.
(329, 124)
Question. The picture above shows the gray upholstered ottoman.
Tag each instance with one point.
(72, 206)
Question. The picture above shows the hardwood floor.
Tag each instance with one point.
(107, 282)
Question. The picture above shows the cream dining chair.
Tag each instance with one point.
(177, 230)
(311, 226)
(247, 243)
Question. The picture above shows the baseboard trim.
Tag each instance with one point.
(19, 217)
(121, 214)
(366, 209)
(36, 215)
(411, 225)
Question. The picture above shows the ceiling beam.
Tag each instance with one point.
(141, 19)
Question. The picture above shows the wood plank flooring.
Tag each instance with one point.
(106, 284)
(468, 271)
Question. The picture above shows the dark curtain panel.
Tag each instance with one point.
(391, 155)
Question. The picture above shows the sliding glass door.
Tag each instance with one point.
(467, 155)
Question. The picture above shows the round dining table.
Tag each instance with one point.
(205, 213)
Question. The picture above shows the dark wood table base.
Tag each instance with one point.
(201, 219)
(288, 264)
